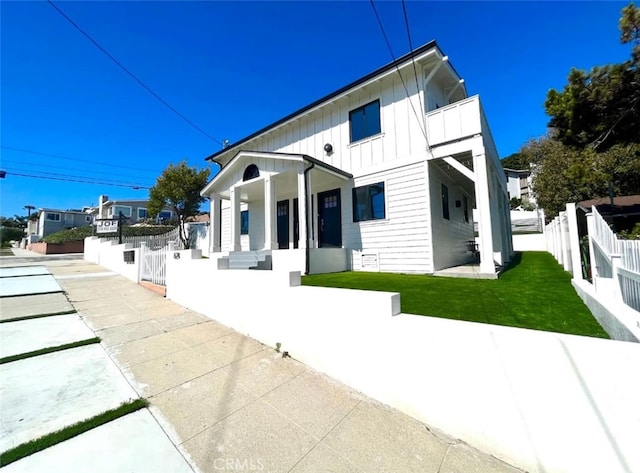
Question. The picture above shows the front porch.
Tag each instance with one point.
(277, 211)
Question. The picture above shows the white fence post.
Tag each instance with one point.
(592, 253)
(143, 251)
(615, 264)
(574, 241)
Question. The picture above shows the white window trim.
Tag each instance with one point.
(46, 216)
(145, 212)
(368, 138)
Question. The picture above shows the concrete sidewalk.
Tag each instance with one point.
(41, 393)
(232, 404)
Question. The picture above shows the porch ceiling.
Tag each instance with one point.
(467, 185)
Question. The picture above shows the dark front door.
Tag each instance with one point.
(329, 219)
(283, 224)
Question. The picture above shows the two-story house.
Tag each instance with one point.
(133, 210)
(53, 220)
(379, 175)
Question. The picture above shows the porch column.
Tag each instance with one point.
(235, 219)
(302, 210)
(270, 241)
(215, 210)
(483, 204)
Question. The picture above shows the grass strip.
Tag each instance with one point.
(37, 316)
(34, 293)
(46, 441)
(44, 351)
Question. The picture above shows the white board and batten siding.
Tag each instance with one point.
(402, 241)
(401, 135)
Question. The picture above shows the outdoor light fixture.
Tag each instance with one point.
(328, 148)
(176, 255)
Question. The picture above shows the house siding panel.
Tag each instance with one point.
(402, 240)
(450, 237)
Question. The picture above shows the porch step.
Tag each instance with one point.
(250, 260)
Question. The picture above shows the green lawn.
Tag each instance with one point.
(534, 292)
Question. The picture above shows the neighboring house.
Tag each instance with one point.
(371, 177)
(519, 185)
(132, 210)
(53, 220)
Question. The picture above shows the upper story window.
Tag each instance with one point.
(365, 121)
(54, 217)
(87, 218)
(368, 202)
(125, 209)
(251, 172)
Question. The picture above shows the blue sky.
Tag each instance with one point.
(234, 67)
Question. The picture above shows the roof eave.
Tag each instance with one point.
(431, 45)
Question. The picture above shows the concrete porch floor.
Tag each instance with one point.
(469, 271)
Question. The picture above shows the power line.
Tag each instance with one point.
(39, 153)
(47, 165)
(413, 60)
(119, 64)
(375, 11)
(74, 180)
(71, 175)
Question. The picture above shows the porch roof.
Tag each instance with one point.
(271, 155)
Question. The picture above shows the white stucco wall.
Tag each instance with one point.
(542, 401)
(109, 254)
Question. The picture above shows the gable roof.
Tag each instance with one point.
(264, 154)
(417, 52)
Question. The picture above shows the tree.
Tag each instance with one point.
(601, 108)
(517, 161)
(178, 188)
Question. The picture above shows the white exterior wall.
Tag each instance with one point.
(403, 239)
(513, 185)
(401, 136)
(545, 402)
(225, 229)
(449, 236)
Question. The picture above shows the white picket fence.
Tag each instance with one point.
(153, 241)
(616, 259)
(153, 264)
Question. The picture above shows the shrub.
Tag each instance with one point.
(80, 233)
(8, 234)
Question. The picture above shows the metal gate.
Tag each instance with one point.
(154, 264)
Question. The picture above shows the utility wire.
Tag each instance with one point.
(75, 180)
(384, 34)
(72, 175)
(39, 153)
(119, 64)
(48, 166)
(413, 61)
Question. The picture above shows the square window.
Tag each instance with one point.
(244, 222)
(368, 202)
(365, 121)
(142, 213)
(445, 202)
